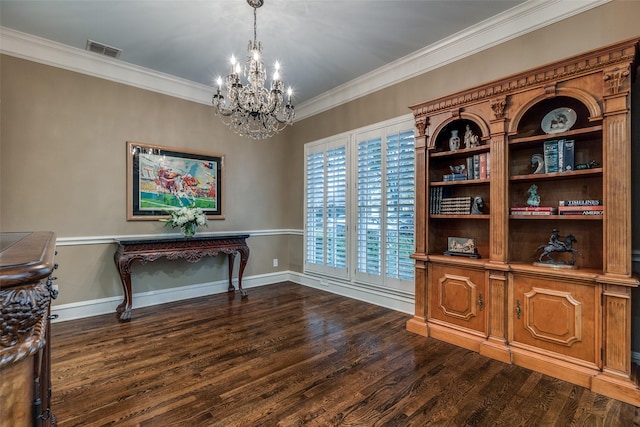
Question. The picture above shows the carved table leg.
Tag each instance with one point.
(244, 257)
(124, 268)
(232, 257)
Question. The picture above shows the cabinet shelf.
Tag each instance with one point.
(460, 216)
(593, 131)
(463, 152)
(464, 182)
(557, 175)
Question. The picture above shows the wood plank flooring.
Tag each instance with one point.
(290, 355)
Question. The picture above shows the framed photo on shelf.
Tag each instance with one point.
(160, 179)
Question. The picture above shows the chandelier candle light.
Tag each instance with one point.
(252, 109)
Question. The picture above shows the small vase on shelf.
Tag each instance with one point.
(454, 141)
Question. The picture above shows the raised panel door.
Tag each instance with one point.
(458, 296)
(556, 317)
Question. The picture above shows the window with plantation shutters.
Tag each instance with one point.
(365, 235)
(385, 199)
(326, 207)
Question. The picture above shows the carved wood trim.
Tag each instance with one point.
(595, 111)
(24, 311)
(484, 127)
(620, 53)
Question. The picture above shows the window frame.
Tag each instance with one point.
(351, 140)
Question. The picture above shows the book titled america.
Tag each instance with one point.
(581, 210)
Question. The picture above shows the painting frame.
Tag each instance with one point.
(160, 179)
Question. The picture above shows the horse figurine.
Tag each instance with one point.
(476, 207)
(537, 161)
(558, 245)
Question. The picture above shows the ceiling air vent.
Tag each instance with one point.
(103, 49)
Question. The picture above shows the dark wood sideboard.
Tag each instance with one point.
(26, 289)
(191, 249)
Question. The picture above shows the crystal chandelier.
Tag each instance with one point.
(252, 109)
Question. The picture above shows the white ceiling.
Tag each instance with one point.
(321, 44)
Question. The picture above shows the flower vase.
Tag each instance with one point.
(454, 141)
(189, 230)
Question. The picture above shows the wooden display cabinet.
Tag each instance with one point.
(569, 321)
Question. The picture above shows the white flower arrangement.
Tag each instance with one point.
(187, 219)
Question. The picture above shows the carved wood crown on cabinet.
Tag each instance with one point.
(509, 302)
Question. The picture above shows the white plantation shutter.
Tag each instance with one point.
(370, 206)
(315, 208)
(336, 207)
(326, 208)
(400, 205)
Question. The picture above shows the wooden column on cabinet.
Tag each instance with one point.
(617, 185)
(496, 345)
(499, 174)
(614, 381)
(418, 324)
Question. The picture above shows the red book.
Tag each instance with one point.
(483, 166)
(580, 208)
(533, 209)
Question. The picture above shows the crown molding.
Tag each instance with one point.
(525, 18)
(529, 16)
(43, 51)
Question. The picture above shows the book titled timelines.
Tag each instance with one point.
(591, 207)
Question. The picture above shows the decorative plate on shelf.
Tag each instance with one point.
(558, 120)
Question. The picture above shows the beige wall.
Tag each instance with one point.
(63, 164)
(62, 152)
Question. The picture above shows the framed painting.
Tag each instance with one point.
(160, 179)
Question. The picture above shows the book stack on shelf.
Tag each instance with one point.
(581, 207)
(455, 205)
(455, 177)
(559, 155)
(435, 197)
(479, 166)
(534, 210)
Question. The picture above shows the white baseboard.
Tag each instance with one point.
(388, 298)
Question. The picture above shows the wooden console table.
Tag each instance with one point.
(192, 249)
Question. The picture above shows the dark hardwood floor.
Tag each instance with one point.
(291, 356)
